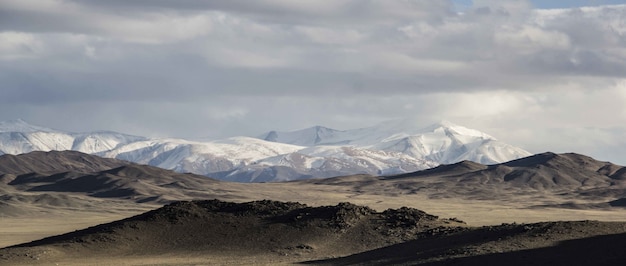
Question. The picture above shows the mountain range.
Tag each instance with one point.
(389, 148)
(561, 180)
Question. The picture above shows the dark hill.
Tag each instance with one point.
(135, 182)
(259, 227)
(75, 172)
(547, 243)
(55, 162)
(549, 178)
(446, 169)
(540, 171)
(271, 232)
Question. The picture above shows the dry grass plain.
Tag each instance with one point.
(45, 221)
(53, 221)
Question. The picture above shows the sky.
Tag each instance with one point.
(541, 75)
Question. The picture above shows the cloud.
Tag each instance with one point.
(220, 68)
(54, 16)
(19, 45)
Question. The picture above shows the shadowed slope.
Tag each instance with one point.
(271, 232)
(55, 162)
(547, 171)
(548, 179)
(447, 169)
(139, 183)
(49, 173)
(246, 229)
(548, 243)
(541, 171)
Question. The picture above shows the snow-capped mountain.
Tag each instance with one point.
(18, 137)
(200, 157)
(326, 161)
(388, 148)
(443, 142)
(313, 136)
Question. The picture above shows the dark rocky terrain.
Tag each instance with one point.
(259, 228)
(344, 234)
(546, 243)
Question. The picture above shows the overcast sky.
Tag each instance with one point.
(529, 74)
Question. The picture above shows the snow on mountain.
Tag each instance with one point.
(391, 147)
(17, 137)
(24, 142)
(200, 157)
(443, 142)
(447, 143)
(326, 161)
(313, 136)
(95, 142)
(369, 136)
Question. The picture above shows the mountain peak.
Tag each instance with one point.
(449, 127)
(19, 125)
(414, 126)
(311, 136)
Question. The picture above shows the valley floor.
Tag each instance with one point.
(42, 222)
(38, 222)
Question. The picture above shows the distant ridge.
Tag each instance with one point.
(55, 162)
(76, 172)
(560, 180)
(457, 168)
(570, 175)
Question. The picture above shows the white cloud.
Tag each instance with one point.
(245, 58)
(157, 28)
(330, 36)
(401, 62)
(528, 39)
(19, 45)
(142, 27)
